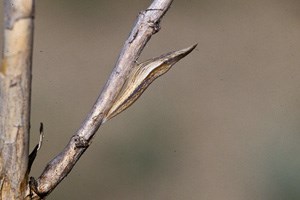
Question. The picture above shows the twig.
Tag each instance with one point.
(146, 25)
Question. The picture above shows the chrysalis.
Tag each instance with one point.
(141, 76)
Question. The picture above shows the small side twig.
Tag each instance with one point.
(41, 136)
(37, 147)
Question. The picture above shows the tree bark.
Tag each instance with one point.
(15, 91)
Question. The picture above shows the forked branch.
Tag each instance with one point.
(125, 84)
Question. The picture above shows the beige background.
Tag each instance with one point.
(222, 124)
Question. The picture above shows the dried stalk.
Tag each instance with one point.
(125, 84)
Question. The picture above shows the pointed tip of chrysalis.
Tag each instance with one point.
(172, 57)
(191, 48)
(187, 50)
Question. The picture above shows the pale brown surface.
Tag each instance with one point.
(222, 124)
(15, 90)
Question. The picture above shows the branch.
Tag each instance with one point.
(125, 84)
(15, 91)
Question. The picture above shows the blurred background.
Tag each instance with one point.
(222, 124)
